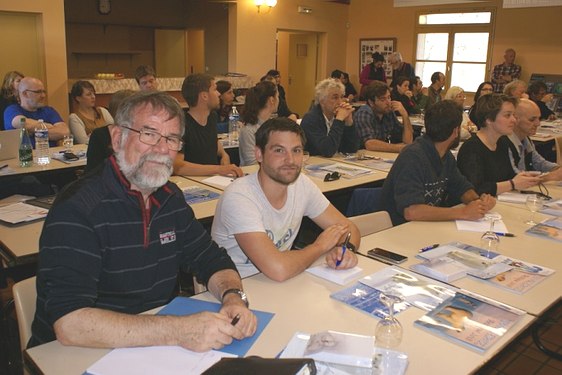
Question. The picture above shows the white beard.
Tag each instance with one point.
(143, 177)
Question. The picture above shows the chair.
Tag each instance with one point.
(558, 144)
(372, 222)
(363, 201)
(25, 296)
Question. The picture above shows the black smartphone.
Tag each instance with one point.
(69, 156)
(386, 256)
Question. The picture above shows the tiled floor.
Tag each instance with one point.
(521, 357)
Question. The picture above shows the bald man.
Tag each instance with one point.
(506, 72)
(32, 108)
(522, 152)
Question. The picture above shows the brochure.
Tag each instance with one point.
(550, 229)
(367, 299)
(417, 290)
(553, 208)
(196, 194)
(470, 320)
(516, 280)
(345, 170)
(373, 162)
(17, 213)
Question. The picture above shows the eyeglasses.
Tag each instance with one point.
(38, 91)
(332, 176)
(152, 138)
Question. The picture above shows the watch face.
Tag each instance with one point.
(104, 6)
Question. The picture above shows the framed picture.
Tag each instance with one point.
(384, 46)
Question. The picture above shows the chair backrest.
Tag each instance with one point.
(558, 141)
(372, 223)
(363, 201)
(25, 296)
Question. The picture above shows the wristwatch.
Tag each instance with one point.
(241, 293)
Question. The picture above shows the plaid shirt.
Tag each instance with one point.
(369, 126)
(513, 70)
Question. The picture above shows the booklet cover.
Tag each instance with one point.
(550, 229)
(345, 170)
(417, 290)
(366, 299)
(553, 208)
(470, 320)
(196, 194)
(517, 281)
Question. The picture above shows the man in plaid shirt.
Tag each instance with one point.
(505, 72)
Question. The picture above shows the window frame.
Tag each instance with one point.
(451, 30)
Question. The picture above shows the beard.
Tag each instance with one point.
(144, 177)
(285, 175)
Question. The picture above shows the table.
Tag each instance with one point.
(407, 239)
(303, 304)
(14, 168)
(325, 187)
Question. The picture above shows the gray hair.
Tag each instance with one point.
(453, 92)
(158, 100)
(324, 87)
(511, 86)
(396, 56)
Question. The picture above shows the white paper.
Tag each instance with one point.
(513, 197)
(340, 277)
(21, 212)
(481, 225)
(219, 180)
(150, 360)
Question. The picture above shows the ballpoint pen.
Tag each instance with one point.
(430, 247)
(4, 166)
(344, 248)
(235, 320)
(505, 234)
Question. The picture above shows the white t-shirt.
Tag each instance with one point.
(243, 208)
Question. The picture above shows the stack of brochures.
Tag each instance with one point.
(470, 320)
(18, 213)
(196, 194)
(455, 260)
(345, 353)
(345, 170)
(550, 229)
(553, 208)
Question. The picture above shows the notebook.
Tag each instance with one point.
(9, 144)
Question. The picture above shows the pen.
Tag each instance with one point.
(235, 320)
(343, 248)
(505, 234)
(430, 247)
(4, 166)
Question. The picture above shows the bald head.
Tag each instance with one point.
(528, 117)
(32, 93)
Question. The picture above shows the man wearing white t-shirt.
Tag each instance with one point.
(258, 216)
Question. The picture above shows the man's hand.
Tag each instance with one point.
(349, 259)
(474, 210)
(204, 331)
(488, 201)
(230, 170)
(330, 237)
(398, 107)
(525, 180)
(553, 175)
(233, 306)
(343, 113)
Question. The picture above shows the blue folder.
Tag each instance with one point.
(187, 306)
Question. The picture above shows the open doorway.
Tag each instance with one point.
(297, 60)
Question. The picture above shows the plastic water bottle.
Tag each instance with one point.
(233, 124)
(26, 149)
(42, 143)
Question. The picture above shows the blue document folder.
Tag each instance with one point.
(187, 306)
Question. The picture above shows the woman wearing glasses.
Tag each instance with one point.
(86, 116)
(484, 88)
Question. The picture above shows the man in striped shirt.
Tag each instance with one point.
(114, 241)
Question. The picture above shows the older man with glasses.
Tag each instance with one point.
(115, 240)
(32, 108)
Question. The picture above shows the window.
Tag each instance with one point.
(456, 44)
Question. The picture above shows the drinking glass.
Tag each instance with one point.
(534, 203)
(388, 333)
(490, 240)
(68, 142)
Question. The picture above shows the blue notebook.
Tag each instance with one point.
(187, 306)
(195, 194)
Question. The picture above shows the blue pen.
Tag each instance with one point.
(343, 248)
(505, 234)
(430, 247)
